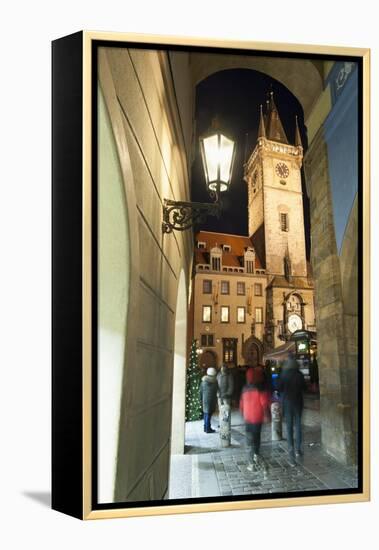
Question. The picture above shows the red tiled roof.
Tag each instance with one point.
(237, 243)
(200, 257)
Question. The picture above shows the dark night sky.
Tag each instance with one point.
(234, 97)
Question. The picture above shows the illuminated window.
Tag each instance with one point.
(207, 287)
(224, 287)
(259, 315)
(229, 352)
(241, 289)
(302, 346)
(284, 222)
(257, 289)
(224, 314)
(241, 315)
(207, 314)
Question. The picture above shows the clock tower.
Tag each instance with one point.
(276, 227)
(275, 199)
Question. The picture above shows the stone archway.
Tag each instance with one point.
(114, 279)
(252, 351)
(306, 89)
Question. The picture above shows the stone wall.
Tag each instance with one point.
(350, 284)
(331, 168)
(113, 297)
(255, 210)
(138, 89)
(335, 390)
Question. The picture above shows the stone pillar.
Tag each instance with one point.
(225, 420)
(335, 391)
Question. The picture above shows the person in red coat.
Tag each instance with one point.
(255, 408)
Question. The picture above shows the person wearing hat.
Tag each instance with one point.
(208, 396)
(255, 407)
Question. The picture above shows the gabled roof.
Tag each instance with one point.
(237, 243)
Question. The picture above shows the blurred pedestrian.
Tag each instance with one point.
(208, 396)
(292, 385)
(224, 394)
(255, 409)
(268, 376)
(225, 386)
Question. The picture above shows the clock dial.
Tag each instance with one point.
(282, 170)
(294, 323)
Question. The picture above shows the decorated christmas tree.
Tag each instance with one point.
(194, 409)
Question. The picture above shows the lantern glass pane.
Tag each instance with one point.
(226, 156)
(211, 153)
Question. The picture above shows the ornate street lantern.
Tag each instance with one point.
(217, 152)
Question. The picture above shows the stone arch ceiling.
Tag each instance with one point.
(302, 77)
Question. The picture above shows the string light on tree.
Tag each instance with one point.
(194, 410)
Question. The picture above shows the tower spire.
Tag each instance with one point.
(275, 130)
(261, 129)
(298, 142)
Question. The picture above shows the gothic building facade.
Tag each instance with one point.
(251, 293)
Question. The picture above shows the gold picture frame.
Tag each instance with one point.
(74, 240)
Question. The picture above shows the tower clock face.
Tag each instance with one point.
(282, 170)
(294, 322)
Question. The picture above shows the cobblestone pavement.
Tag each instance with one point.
(206, 469)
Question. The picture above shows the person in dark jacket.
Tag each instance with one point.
(254, 407)
(208, 396)
(291, 387)
(224, 393)
(225, 386)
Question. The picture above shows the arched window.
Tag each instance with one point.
(216, 258)
(249, 260)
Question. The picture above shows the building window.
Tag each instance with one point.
(241, 315)
(201, 245)
(216, 264)
(224, 287)
(241, 289)
(207, 314)
(224, 314)
(249, 266)
(284, 222)
(249, 260)
(226, 247)
(229, 352)
(259, 315)
(257, 289)
(207, 286)
(207, 340)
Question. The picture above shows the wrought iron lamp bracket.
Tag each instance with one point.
(183, 215)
